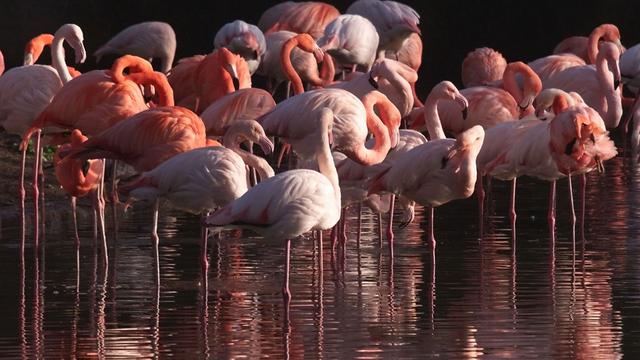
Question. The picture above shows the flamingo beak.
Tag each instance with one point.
(266, 145)
(616, 83)
(395, 138)
(464, 104)
(526, 102)
(81, 53)
(330, 137)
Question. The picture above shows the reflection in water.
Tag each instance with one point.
(535, 297)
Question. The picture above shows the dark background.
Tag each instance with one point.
(450, 29)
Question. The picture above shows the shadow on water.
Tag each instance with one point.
(534, 298)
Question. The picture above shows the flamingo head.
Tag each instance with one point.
(445, 90)
(249, 130)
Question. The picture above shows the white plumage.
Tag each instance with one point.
(352, 40)
(244, 39)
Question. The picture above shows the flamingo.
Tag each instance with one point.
(243, 39)
(597, 84)
(290, 203)
(306, 43)
(148, 40)
(354, 176)
(394, 21)
(482, 67)
(292, 120)
(352, 41)
(489, 106)
(203, 179)
(543, 103)
(447, 172)
(34, 48)
(308, 17)
(409, 54)
(587, 48)
(250, 103)
(78, 182)
(144, 141)
(390, 77)
(200, 80)
(575, 141)
(27, 90)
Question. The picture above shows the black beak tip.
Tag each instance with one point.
(236, 84)
(616, 84)
(465, 112)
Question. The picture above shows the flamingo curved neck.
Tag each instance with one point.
(382, 141)
(510, 84)
(58, 60)
(326, 165)
(287, 67)
(613, 98)
(432, 119)
(232, 141)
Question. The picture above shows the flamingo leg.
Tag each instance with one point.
(36, 194)
(379, 230)
(334, 237)
(286, 294)
(551, 215)
(432, 239)
(155, 240)
(359, 224)
(390, 225)
(583, 195)
(343, 227)
(98, 207)
(573, 213)
(512, 206)
(42, 188)
(75, 223)
(320, 254)
(203, 246)
(22, 199)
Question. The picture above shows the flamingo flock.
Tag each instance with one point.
(188, 130)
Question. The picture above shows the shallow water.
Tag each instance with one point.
(539, 299)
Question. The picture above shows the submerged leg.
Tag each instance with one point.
(36, 193)
(431, 237)
(512, 206)
(155, 241)
(286, 294)
(390, 224)
(551, 215)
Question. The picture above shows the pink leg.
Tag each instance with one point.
(286, 294)
(22, 199)
(320, 254)
(286, 148)
(75, 223)
(203, 247)
(359, 225)
(430, 235)
(380, 230)
(42, 190)
(36, 194)
(343, 226)
(390, 225)
(155, 241)
(573, 213)
(334, 237)
(551, 215)
(481, 196)
(115, 200)
(98, 207)
(512, 207)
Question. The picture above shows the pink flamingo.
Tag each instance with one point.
(26, 90)
(482, 67)
(200, 80)
(308, 17)
(203, 179)
(394, 21)
(243, 39)
(352, 41)
(390, 77)
(447, 172)
(144, 141)
(292, 120)
(148, 40)
(290, 203)
(312, 75)
(250, 103)
(409, 54)
(575, 141)
(77, 182)
(543, 103)
(597, 84)
(489, 106)
(587, 48)
(34, 48)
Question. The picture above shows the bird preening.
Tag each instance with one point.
(331, 92)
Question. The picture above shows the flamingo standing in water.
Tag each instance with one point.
(597, 84)
(148, 40)
(203, 179)
(243, 39)
(352, 41)
(26, 90)
(290, 203)
(482, 66)
(77, 182)
(200, 80)
(310, 17)
(293, 121)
